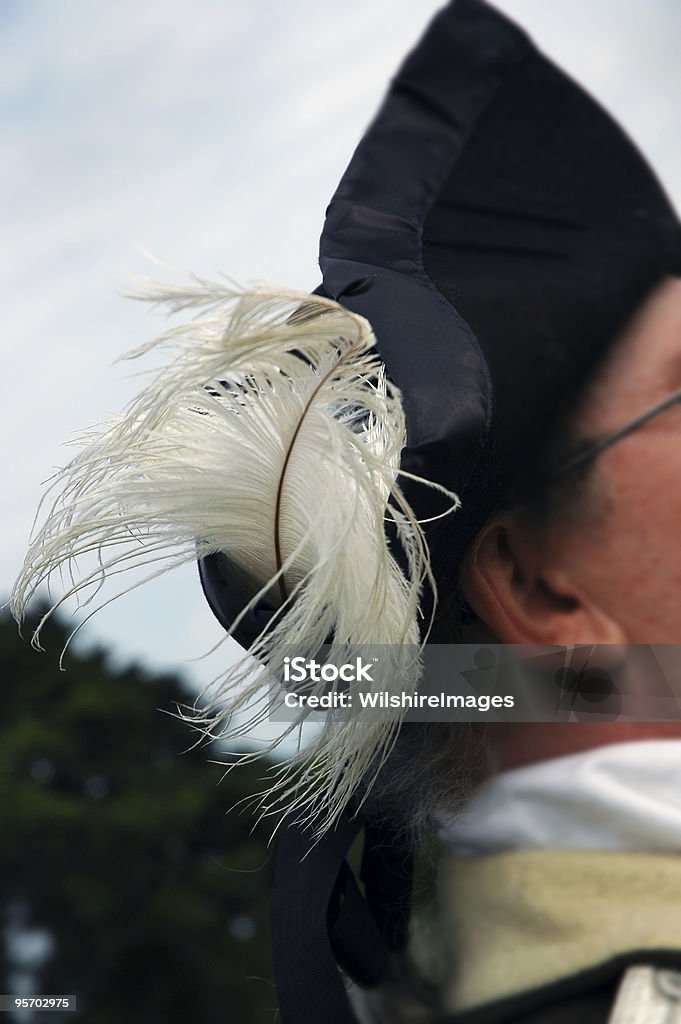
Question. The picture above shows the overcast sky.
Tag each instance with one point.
(211, 134)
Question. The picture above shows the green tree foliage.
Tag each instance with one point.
(116, 839)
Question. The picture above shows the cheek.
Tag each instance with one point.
(637, 560)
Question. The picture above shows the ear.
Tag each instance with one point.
(526, 596)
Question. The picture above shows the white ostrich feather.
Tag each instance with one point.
(273, 437)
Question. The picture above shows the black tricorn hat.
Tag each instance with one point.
(498, 229)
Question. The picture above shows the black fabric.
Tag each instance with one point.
(358, 945)
(319, 918)
(548, 234)
(309, 987)
(227, 593)
(387, 872)
(371, 248)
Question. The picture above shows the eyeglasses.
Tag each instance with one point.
(589, 453)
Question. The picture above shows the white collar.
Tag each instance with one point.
(623, 796)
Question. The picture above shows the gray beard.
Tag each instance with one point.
(432, 768)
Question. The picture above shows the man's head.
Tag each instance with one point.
(599, 561)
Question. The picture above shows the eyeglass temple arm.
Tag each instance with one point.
(595, 449)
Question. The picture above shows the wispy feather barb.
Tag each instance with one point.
(273, 437)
